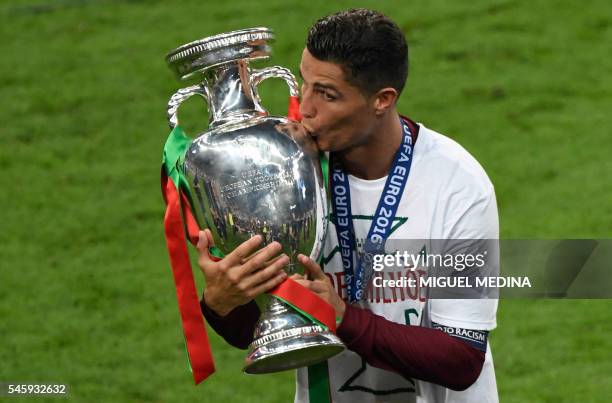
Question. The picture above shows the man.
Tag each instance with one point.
(354, 68)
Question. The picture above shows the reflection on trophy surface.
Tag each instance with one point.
(247, 176)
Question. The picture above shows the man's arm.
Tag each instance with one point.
(412, 351)
(236, 327)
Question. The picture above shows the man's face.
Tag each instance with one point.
(335, 113)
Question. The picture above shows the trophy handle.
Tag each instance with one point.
(257, 76)
(181, 96)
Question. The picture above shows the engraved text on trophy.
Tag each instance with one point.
(255, 180)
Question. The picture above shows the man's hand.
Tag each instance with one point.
(233, 281)
(318, 283)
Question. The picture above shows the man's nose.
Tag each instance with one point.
(307, 109)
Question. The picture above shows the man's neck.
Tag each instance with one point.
(373, 159)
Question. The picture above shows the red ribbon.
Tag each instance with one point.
(194, 329)
(307, 301)
(193, 229)
(293, 112)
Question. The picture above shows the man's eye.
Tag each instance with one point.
(327, 96)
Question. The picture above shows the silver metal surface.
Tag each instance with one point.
(248, 175)
(286, 340)
(254, 179)
(181, 96)
(191, 58)
(276, 72)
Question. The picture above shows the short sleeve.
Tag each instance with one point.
(471, 213)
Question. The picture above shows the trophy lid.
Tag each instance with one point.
(191, 58)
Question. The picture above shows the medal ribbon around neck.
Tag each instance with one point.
(355, 269)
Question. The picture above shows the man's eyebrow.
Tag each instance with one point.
(320, 85)
(326, 86)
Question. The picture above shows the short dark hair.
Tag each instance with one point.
(371, 49)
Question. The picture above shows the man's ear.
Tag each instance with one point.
(384, 99)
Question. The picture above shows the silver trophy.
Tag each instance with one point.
(247, 176)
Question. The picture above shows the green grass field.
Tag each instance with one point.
(86, 293)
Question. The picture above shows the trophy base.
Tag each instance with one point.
(285, 339)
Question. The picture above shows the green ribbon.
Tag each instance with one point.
(318, 383)
(174, 150)
(324, 161)
(318, 374)
(174, 153)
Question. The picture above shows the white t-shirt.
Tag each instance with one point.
(447, 196)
